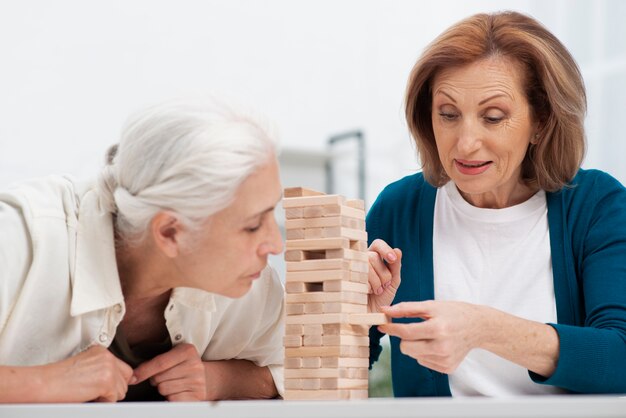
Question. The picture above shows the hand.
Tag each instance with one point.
(95, 374)
(384, 274)
(178, 374)
(447, 334)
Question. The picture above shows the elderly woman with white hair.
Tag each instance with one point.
(152, 283)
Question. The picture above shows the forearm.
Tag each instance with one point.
(530, 344)
(238, 379)
(24, 385)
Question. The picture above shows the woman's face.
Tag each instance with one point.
(232, 249)
(483, 126)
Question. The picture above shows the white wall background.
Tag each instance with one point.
(72, 70)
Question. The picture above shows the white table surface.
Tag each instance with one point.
(569, 406)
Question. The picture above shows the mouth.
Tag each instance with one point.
(472, 167)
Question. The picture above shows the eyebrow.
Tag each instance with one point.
(263, 212)
(482, 102)
(492, 97)
(446, 94)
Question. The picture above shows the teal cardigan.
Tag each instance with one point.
(587, 222)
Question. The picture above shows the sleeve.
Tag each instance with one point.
(15, 258)
(372, 223)
(592, 358)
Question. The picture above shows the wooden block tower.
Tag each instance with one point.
(326, 333)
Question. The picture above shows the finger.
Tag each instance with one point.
(378, 274)
(183, 397)
(383, 250)
(410, 332)
(125, 371)
(157, 365)
(410, 309)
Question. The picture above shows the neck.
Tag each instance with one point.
(143, 273)
(499, 199)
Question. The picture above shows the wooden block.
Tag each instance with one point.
(333, 372)
(313, 233)
(337, 307)
(313, 384)
(359, 266)
(316, 373)
(313, 212)
(310, 362)
(321, 200)
(338, 383)
(300, 255)
(294, 308)
(346, 297)
(312, 329)
(322, 395)
(325, 222)
(295, 287)
(356, 203)
(334, 264)
(293, 384)
(321, 373)
(317, 244)
(294, 255)
(360, 245)
(341, 232)
(301, 191)
(294, 213)
(359, 394)
(359, 341)
(294, 234)
(345, 329)
(339, 210)
(345, 253)
(293, 363)
(317, 319)
(344, 286)
(330, 362)
(358, 277)
(328, 351)
(292, 341)
(313, 308)
(295, 329)
(368, 319)
(317, 275)
(312, 340)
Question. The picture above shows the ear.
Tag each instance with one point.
(166, 232)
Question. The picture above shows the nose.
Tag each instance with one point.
(468, 140)
(274, 242)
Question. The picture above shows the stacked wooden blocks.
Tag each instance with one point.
(326, 332)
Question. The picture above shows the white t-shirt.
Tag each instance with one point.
(499, 258)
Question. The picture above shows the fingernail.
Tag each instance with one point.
(379, 291)
(133, 380)
(386, 285)
(391, 257)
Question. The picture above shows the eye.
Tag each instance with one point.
(493, 116)
(493, 119)
(448, 116)
(255, 228)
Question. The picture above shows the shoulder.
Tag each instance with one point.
(46, 196)
(401, 194)
(406, 186)
(591, 188)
